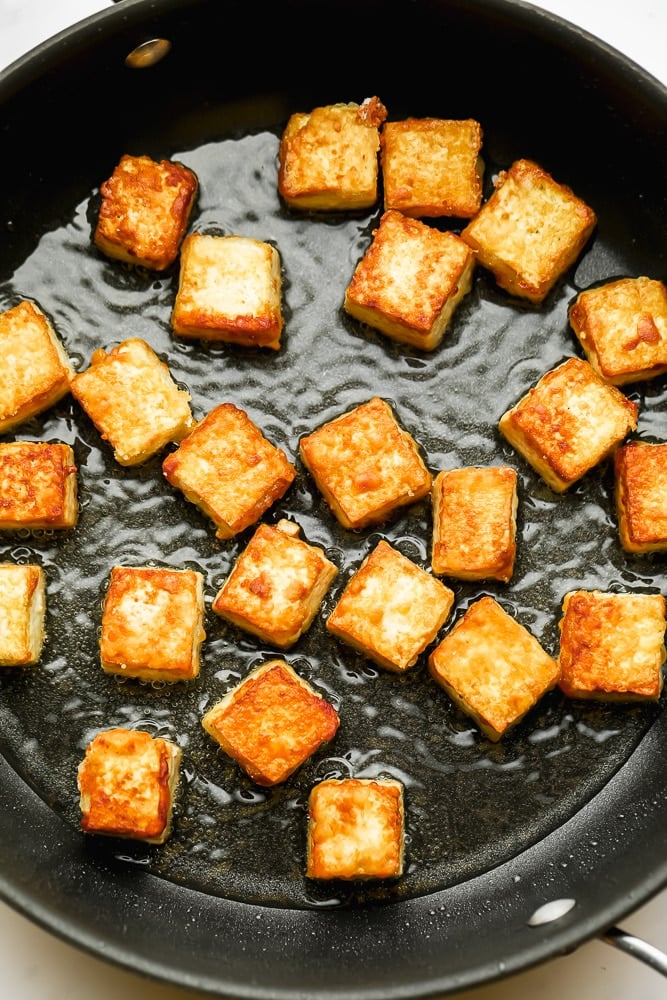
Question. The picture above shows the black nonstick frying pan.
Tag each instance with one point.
(570, 810)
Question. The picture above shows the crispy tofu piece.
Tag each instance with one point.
(35, 371)
(568, 422)
(492, 667)
(640, 471)
(38, 486)
(153, 623)
(328, 157)
(230, 289)
(622, 328)
(530, 231)
(271, 722)
(228, 469)
(356, 829)
(127, 783)
(391, 609)
(145, 210)
(474, 523)
(612, 646)
(432, 167)
(131, 397)
(276, 586)
(365, 465)
(22, 614)
(410, 281)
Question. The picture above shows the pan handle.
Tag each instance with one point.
(637, 948)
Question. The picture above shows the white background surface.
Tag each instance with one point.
(36, 966)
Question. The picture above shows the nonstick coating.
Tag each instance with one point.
(571, 805)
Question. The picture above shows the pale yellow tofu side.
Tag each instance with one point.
(22, 614)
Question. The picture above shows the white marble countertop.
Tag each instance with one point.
(38, 966)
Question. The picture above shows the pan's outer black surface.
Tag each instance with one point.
(548, 90)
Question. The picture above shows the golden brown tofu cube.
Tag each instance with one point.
(22, 613)
(356, 829)
(474, 523)
(276, 586)
(492, 667)
(410, 280)
(612, 646)
(271, 722)
(127, 782)
(568, 423)
(391, 609)
(365, 465)
(530, 231)
(328, 157)
(152, 623)
(35, 371)
(131, 397)
(432, 167)
(228, 469)
(622, 328)
(38, 486)
(229, 290)
(640, 470)
(145, 210)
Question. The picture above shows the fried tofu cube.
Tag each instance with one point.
(612, 646)
(492, 667)
(328, 157)
(356, 829)
(228, 469)
(622, 328)
(568, 423)
(152, 623)
(271, 722)
(530, 231)
(432, 167)
(640, 471)
(365, 465)
(474, 523)
(35, 371)
(410, 281)
(22, 613)
(127, 783)
(230, 289)
(133, 400)
(145, 210)
(391, 609)
(276, 586)
(38, 486)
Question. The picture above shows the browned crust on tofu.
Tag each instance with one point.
(152, 623)
(410, 280)
(145, 209)
(127, 782)
(35, 371)
(530, 231)
(328, 157)
(356, 829)
(228, 469)
(612, 646)
(391, 609)
(271, 722)
(22, 614)
(474, 523)
(276, 585)
(365, 465)
(492, 667)
(568, 423)
(38, 486)
(622, 328)
(640, 470)
(432, 167)
(135, 404)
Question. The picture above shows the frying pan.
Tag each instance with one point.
(573, 806)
